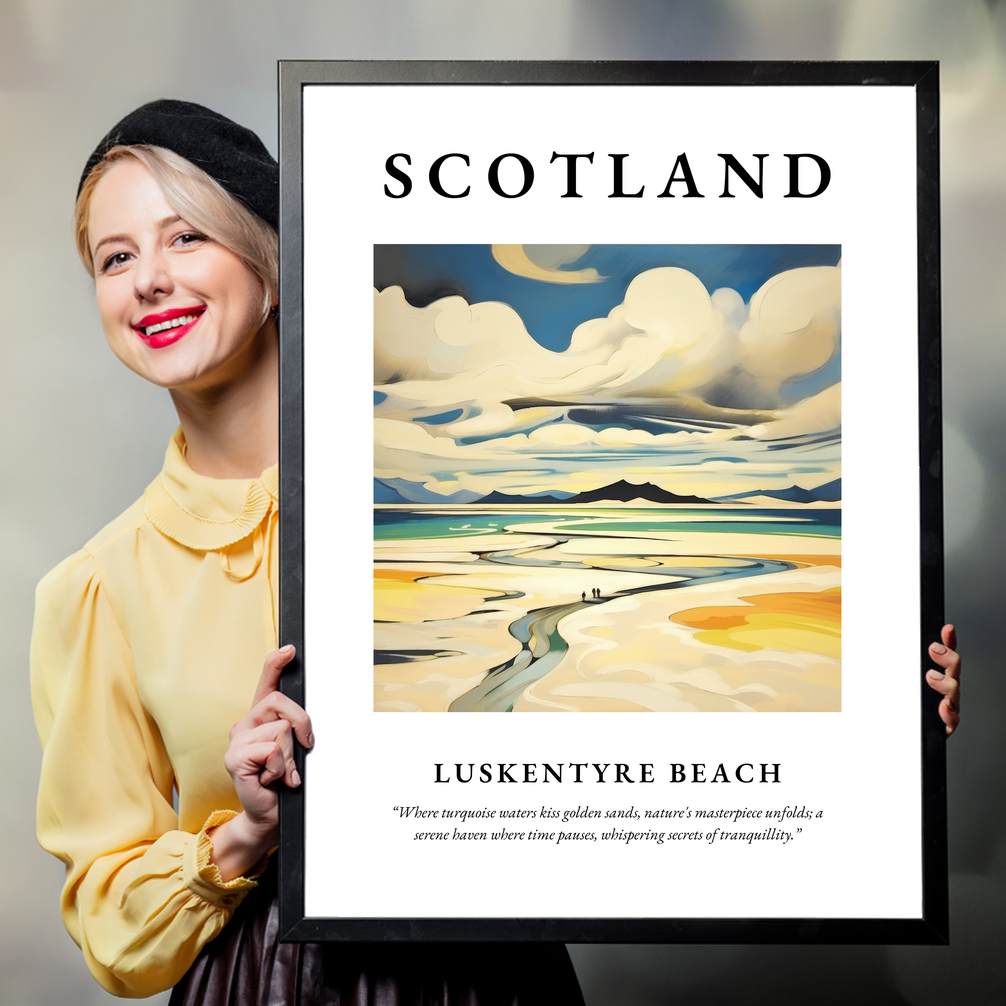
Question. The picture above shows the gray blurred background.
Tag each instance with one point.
(82, 436)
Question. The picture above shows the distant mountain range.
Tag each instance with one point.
(619, 492)
(626, 492)
(830, 492)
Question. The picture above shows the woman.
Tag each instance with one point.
(149, 642)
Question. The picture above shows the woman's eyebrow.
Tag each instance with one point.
(109, 240)
(160, 225)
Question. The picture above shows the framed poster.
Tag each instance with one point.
(633, 370)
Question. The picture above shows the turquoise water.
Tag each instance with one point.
(393, 525)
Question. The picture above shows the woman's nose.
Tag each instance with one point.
(152, 277)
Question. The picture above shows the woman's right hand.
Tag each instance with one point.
(260, 753)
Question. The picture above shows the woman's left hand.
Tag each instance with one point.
(260, 754)
(948, 681)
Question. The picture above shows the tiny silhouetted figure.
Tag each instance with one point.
(583, 595)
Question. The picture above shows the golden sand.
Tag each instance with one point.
(401, 596)
(705, 647)
(795, 622)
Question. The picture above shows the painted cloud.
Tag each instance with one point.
(675, 386)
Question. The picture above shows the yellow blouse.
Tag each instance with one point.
(147, 647)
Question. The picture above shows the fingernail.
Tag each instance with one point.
(310, 740)
(938, 648)
(287, 649)
(295, 777)
(936, 675)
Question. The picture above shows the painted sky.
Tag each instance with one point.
(706, 370)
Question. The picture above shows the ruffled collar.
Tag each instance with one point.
(203, 513)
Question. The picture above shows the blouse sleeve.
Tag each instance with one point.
(141, 898)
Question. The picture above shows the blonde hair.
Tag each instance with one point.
(199, 200)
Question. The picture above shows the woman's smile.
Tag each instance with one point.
(166, 327)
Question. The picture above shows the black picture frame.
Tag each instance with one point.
(932, 925)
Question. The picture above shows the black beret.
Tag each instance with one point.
(230, 154)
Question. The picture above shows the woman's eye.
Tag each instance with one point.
(190, 238)
(114, 261)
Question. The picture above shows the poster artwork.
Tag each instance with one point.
(615, 475)
(607, 478)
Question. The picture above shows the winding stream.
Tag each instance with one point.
(542, 644)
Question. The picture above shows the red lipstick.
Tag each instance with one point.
(166, 327)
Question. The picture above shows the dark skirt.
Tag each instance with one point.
(246, 965)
